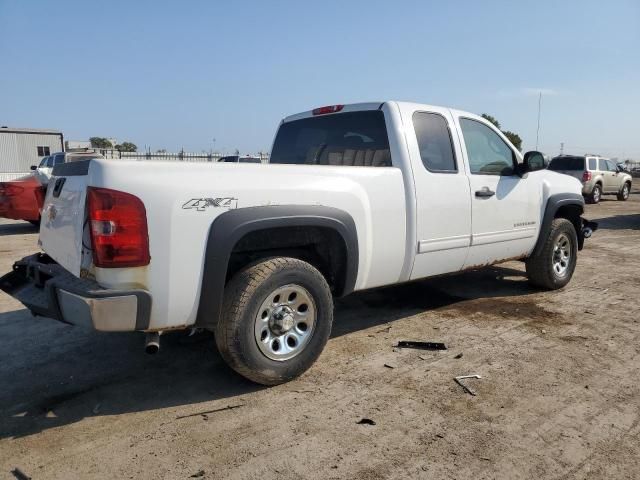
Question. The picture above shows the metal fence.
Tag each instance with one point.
(181, 156)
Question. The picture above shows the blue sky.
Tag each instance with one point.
(179, 74)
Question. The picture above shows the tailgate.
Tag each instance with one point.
(63, 215)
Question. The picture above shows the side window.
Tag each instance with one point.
(50, 162)
(434, 142)
(488, 153)
(592, 164)
(602, 165)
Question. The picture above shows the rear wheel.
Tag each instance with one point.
(276, 320)
(596, 194)
(623, 194)
(553, 266)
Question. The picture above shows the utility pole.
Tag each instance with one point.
(538, 130)
(561, 148)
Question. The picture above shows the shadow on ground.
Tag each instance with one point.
(53, 374)
(619, 222)
(17, 228)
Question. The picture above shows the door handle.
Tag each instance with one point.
(485, 192)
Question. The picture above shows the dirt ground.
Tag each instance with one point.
(559, 395)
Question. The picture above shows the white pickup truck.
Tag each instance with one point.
(354, 197)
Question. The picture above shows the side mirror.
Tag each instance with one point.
(34, 167)
(533, 161)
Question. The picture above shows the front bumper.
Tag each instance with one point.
(48, 290)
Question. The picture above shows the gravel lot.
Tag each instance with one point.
(559, 395)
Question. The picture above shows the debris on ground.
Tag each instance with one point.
(467, 389)
(198, 474)
(421, 345)
(19, 474)
(228, 407)
(458, 355)
(366, 421)
(390, 365)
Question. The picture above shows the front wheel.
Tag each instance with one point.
(276, 319)
(553, 266)
(623, 194)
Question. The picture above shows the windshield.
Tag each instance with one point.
(351, 139)
(567, 163)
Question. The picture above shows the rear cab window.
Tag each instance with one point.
(340, 139)
(567, 163)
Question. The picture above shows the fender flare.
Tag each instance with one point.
(554, 203)
(228, 228)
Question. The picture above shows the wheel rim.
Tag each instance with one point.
(561, 255)
(625, 191)
(596, 194)
(285, 322)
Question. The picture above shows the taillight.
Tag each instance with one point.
(586, 176)
(10, 190)
(119, 235)
(327, 109)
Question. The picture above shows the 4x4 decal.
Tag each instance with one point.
(201, 204)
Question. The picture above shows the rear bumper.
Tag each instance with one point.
(48, 290)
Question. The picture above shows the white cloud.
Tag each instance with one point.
(529, 91)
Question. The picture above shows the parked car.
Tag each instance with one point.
(239, 159)
(356, 197)
(599, 175)
(22, 199)
(44, 169)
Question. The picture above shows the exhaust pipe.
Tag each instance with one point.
(587, 232)
(152, 343)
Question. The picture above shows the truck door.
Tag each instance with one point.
(443, 206)
(505, 208)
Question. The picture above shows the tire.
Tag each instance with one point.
(595, 195)
(623, 194)
(547, 270)
(252, 334)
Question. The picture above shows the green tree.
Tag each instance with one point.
(100, 142)
(127, 147)
(514, 138)
(491, 119)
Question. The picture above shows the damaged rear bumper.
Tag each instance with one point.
(48, 290)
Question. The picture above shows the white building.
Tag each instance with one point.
(22, 147)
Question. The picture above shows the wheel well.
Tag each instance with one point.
(572, 213)
(322, 247)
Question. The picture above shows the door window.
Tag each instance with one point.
(610, 166)
(434, 142)
(488, 154)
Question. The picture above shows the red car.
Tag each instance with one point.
(22, 199)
